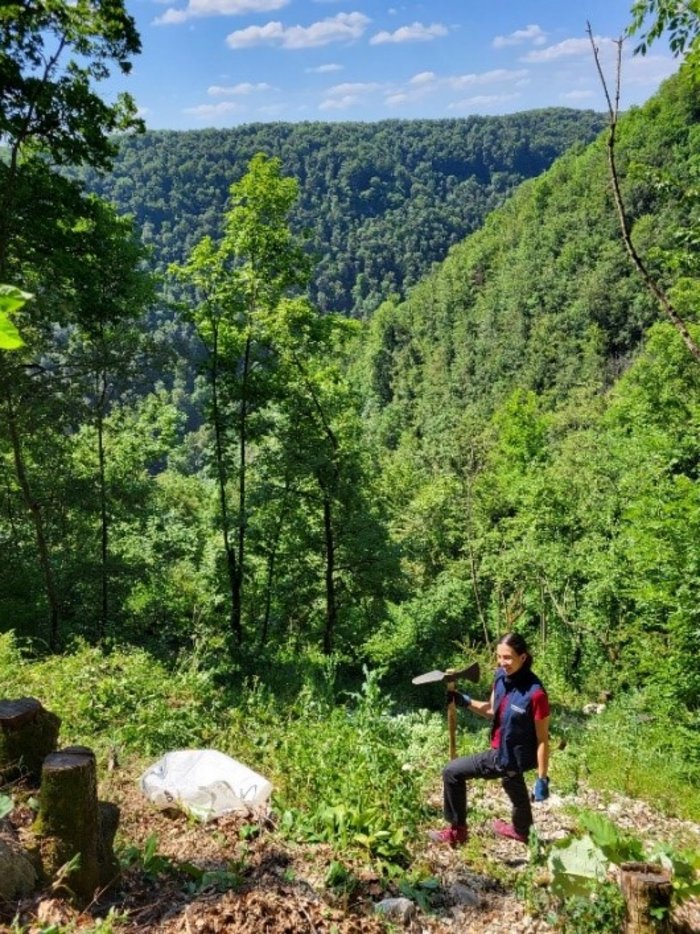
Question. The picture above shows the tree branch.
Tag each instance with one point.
(649, 281)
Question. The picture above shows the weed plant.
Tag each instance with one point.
(121, 698)
(343, 778)
(641, 746)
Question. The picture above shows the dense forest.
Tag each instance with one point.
(378, 203)
(281, 435)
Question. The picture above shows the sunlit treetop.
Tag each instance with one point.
(53, 54)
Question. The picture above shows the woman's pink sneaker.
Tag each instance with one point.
(503, 829)
(453, 836)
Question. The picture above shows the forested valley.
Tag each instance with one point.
(293, 413)
(378, 203)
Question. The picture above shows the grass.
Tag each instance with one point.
(351, 771)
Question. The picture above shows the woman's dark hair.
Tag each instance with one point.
(518, 644)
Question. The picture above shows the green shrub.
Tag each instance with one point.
(123, 697)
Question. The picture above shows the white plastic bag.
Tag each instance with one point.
(204, 783)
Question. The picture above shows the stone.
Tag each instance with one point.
(398, 909)
(17, 874)
(463, 895)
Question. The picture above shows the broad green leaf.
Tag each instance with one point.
(9, 335)
(575, 865)
(616, 846)
(11, 299)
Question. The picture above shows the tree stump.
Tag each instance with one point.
(646, 888)
(28, 733)
(108, 864)
(69, 823)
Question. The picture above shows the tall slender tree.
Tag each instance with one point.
(235, 283)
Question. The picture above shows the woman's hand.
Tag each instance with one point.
(459, 699)
(540, 792)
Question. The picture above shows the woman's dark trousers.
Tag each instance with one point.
(484, 765)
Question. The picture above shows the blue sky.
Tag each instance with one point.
(219, 63)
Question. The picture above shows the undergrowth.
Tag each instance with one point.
(348, 768)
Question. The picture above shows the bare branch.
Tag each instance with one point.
(649, 281)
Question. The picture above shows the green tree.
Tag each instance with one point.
(651, 19)
(329, 497)
(236, 284)
(52, 54)
(113, 292)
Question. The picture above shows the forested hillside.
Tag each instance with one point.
(258, 558)
(538, 429)
(380, 203)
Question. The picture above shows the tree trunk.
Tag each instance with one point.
(104, 527)
(39, 530)
(222, 477)
(28, 733)
(646, 888)
(242, 504)
(331, 606)
(271, 565)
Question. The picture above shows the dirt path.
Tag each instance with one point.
(261, 884)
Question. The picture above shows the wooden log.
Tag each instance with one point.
(28, 733)
(647, 891)
(68, 822)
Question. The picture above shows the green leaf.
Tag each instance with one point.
(616, 846)
(12, 298)
(6, 805)
(575, 865)
(9, 335)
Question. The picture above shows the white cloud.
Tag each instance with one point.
(497, 75)
(647, 70)
(531, 33)
(205, 111)
(324, 69)
(196, 8)
(580, 95)
(417, 32)
(565, 49)
(353, 88)
(217, 90)
(482, 100)
(423, 78)
(338, 103)
(343, 96)
(428, 83)
(341, 28)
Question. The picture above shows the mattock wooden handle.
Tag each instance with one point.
(452, 717)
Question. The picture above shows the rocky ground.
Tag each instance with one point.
(234, 876)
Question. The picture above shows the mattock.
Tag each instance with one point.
(449, 678)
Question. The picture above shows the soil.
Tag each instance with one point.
(239, 875)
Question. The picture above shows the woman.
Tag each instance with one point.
(519, 708)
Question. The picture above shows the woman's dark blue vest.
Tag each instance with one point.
(517, 751)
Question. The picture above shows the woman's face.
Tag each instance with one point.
(509, 660)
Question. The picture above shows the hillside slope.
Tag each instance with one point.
(381, 201)
(537, 424)
(544, 296)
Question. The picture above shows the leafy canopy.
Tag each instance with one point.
(51, 54)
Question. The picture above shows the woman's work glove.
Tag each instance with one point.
(461, 700)
(540, 791)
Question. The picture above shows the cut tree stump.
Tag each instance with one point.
(28, 733)
(71, 821)
(647, 891)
